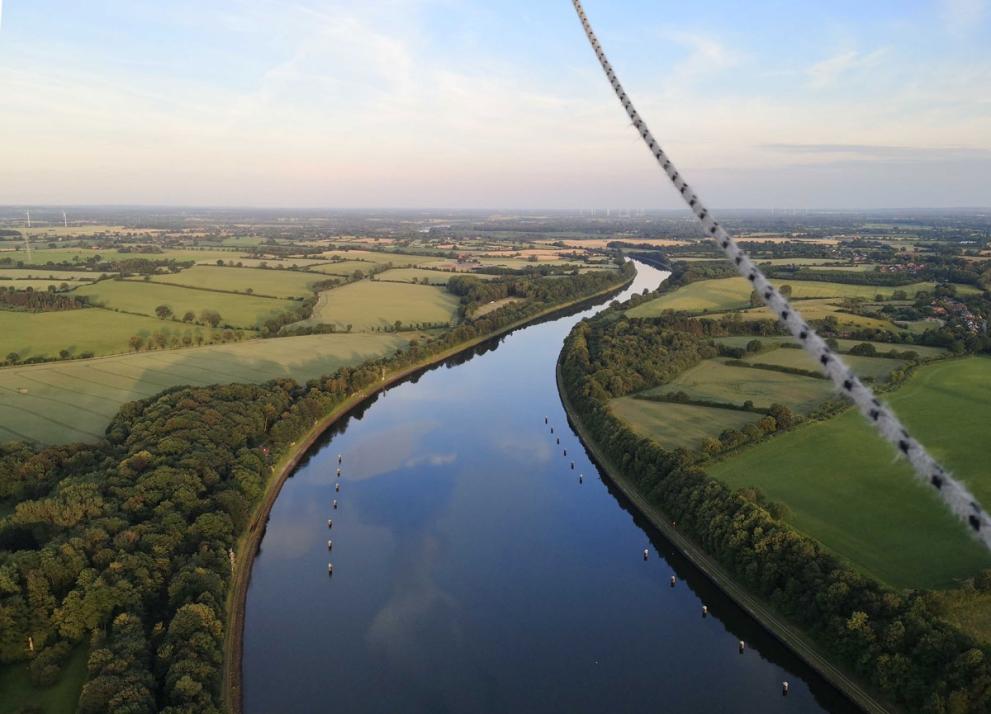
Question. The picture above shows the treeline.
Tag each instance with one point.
(894, 641)
(38, 300)
(126, 547)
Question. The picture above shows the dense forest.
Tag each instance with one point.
(894, 641)
(126, 547)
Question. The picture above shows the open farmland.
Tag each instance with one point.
(734, 293)
(33, 334)
(868, 507)
(343, 268)
(678, 425)
(74, 401)
(712, 380)
(844, 345)
(813, 310)
(373, 304)
(872, 367)
(267, 282)
(398, 260)
(81, 255)
(431, 277)
(143, 297)
(45, 274)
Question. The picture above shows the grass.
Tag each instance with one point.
(924, 351)
(844, 487)
(102, 332)
(873, 367)
(67, 255)
(734, 293)
(494, 305)
(814, 310)
(345, 268)
(74, 401)
(398, 260)
(46, 274)
(713, 380)
(60, 698)
(678, 425)
(274, 283)
(369, 304)
(407, 275)
(968, 610)
(143, 297)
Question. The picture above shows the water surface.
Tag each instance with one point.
(474, 572)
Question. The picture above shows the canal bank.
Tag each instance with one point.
(249, 543)
(791, 637)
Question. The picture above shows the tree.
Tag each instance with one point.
(210, 317)
(64, 354)
(785, 290)
(755, 299)
(13, 358)
(163, 311)
(189, 316)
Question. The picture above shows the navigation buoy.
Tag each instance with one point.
(705, 611)
(674, 580)
(338, 472)
(330, 523)
(559, 440)
(565, 452)
(545, 420)
(339, 458)
(552, 430)
(572, 465)
(335, 503)
(784, 689)
(743, 646)
(330, 545)
(646, 554)
(330, 568)
(337, 487)
(581, 478)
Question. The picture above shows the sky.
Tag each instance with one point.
(494, 104)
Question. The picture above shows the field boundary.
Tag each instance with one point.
(791, 637)
(248, 544)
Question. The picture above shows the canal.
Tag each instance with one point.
(475, 571)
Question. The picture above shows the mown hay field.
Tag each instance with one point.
(844, 486)
(375, 304)
(678, 425)
(712, 380)
(103, 332)
(261, 281)
(63, 402)
(142, 297)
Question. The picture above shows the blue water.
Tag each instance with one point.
(474, 573)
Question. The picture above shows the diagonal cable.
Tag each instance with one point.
(954, 493)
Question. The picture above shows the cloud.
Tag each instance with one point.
(884, 152)
(962, 16)
(828, 71)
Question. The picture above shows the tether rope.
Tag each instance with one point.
(954, 493)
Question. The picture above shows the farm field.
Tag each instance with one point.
(734, 293)
(40, 284)
(712, 380)
(370, 304)
(343, 268)
(867, 507)
(398, 260)
(678, 425)
(818, 309)
(493, 306)
(45, 274)
(873, 367)
(143, 297)
(408, 275)
(270, 282)
(75, 401)
(69, 255)
(924, 351)
(102, 332)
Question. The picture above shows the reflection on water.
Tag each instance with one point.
(473, 572)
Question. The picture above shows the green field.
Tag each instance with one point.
(102, 332)
(69, 255)
(343, 269)
(431, 277)
(273, 283)
(368, 304)
(715, 381)
(873, 367)
(678, 425)
(398, 260)
(734, 293)
(44, 274)
(143, 297)
(844, 487)
(74, 401)
(924, 351)
(61, 698)
(812, 310)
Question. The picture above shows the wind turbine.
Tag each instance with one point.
(29, 218)
(64, 219)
